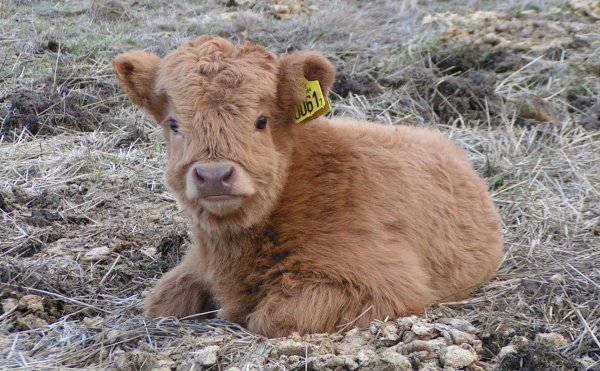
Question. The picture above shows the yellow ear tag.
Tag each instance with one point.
(314, 105)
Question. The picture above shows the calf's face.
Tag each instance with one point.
(227, 119)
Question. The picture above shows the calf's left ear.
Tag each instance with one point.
(294, 68)
(136, 71)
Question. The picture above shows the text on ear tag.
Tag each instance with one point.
(314, 105)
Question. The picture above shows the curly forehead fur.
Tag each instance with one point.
(209, 75)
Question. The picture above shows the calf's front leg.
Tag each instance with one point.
(183, 291)
(313, 308)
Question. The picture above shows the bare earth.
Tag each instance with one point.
(87, 226)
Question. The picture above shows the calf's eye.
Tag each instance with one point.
(261, 122)
(173, 125)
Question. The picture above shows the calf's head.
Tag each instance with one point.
(227, 118)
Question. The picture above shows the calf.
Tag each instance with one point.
(304, 227)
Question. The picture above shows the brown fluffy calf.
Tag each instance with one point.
(304, 227)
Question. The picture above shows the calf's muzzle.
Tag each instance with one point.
(214, 179)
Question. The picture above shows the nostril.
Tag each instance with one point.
(227, 174)
(199, 175)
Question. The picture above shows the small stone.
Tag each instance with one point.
(423, 330)
(520, 340)
(350, 363)
(509, 349)
(97, 253)
(33, 303)
(353, 341)
(9, 304)
(365, 356)
(461, 324)
(335, 362)
(113, 335)
(491, 38)
(461, 337)
(457, 356)
(392, 360)
(551, 339)
(388, 332)
(557, 278)
(587, 362)
(290, 348)
(431, 365)
(409, 337)
(93, 321)
(531, 106)
(207, 356)
(414, 346)
(406, 323)
(32, 322)
(135, 360)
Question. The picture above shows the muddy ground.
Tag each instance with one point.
(87, 226)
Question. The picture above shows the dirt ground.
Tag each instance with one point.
(87, 226)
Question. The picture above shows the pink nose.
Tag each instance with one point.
(214, 179)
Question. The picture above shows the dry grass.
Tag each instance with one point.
(91, 176)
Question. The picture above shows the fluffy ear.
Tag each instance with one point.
(136, 71)
(295, 67)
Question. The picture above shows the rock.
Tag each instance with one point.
(97, 253)
(423, 330)
(557, 278)
(509, 349)
(460, 337)
(430, 365)
(586, 362)
(335, 362)
(551, 339)
(406, 323)
(388, 332)
(350, 363)
(32, 322)
(353, 341)
(392, 360)
(290, 348)
(365, 356)
(207, 356)
(93, 321)
(531, 106)
(457, 356)
(9, 304)
(113, 335)
(461, 325)
(33, 303)
(414, 346)
(135, 360)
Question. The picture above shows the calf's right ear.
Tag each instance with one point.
(137, 71)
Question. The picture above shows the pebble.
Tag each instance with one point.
(33, 303)
(9, 304)
(423, 330)
(97, 253)
(392, 360)
(290, 348)
(509, 349)
(31, 321)
(207, 356)
(457, 356)
(461, 325)
(551, 339)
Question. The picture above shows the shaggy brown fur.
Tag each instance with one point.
(326, 220)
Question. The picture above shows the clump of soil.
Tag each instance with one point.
(47, 113)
